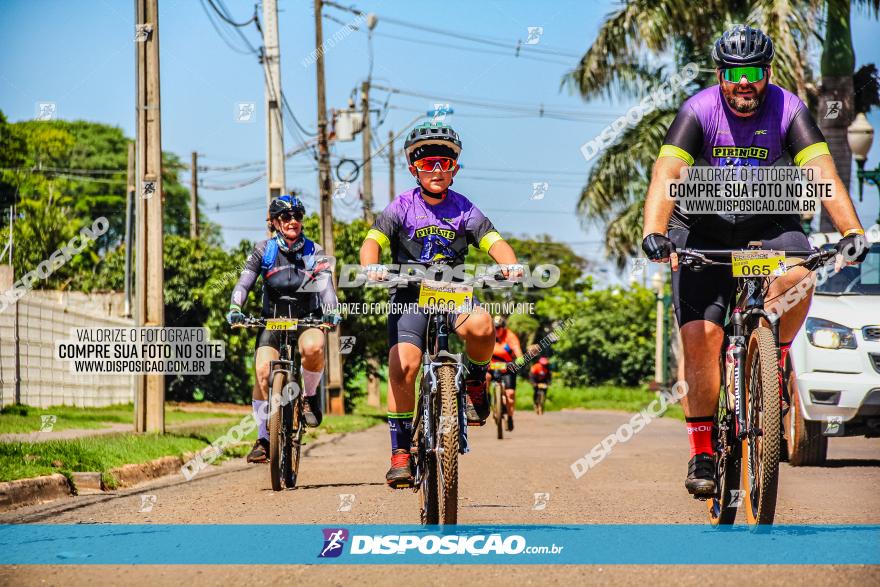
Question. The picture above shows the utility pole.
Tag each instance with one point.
(334, 401)
(150, 311)
(274, 127)
(366, 138)
(130, 190)
(391, 189)
(194, 198)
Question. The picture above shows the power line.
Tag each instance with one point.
(489, 103)
(470, 49)
(518, 46)
(223, 14)
(219, 32)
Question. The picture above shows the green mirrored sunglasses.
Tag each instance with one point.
(735, 74)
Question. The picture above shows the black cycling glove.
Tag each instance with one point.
(854, 248)
(657, 246)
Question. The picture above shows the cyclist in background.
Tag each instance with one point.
(291, 266)
(540, 373)
(507, 349)
(426, 225)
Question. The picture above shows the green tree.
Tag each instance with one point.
(62, 175)
(604, 335)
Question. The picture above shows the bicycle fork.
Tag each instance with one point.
(736, 367)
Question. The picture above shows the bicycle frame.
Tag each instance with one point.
(747, 310)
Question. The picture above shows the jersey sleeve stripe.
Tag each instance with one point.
(379, 237)
(811, 152)
(489, 239)
(673, 151)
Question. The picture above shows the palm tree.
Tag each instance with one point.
(837, 65)
(619, 64)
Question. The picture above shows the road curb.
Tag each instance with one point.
(22, 492)
(35, 490)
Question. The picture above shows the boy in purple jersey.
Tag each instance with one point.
(431, 224)
(743, 121)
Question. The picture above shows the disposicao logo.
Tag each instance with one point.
(334, 540)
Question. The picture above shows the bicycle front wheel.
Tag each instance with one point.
(761, 446)
(279, 440)
(297, 429)
(498, 408)
(448, 445)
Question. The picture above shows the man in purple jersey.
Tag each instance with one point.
(431, 224)
(742, 121)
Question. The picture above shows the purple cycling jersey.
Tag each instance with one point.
(418, 232)
(707, 132)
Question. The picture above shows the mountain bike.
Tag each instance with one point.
(497, 397)
(540, 397)
(439, 420)
(747, 434)
(286, 425)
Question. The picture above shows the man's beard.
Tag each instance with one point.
(743, 105)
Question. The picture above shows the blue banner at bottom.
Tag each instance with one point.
(392, 544)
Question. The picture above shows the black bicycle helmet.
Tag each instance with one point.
(742, 45)
(431, 135)
(286, 203)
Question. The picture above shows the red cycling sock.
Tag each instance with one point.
(784, 347)
(700, 434)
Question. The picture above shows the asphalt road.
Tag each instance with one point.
(640, 481)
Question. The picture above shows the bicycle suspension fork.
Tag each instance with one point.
(736, 354)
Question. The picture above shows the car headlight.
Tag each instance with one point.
(830, 335)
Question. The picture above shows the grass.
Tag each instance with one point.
(20, 460)
(601, 397)
(28, 419)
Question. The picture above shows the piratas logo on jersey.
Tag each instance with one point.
(334, 541)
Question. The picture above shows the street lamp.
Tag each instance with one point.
(860, 135)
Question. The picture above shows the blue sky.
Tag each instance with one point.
(80, 56)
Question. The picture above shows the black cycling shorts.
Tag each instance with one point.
(705, 295)
(508, 379)
(411, 325)
(272, 338)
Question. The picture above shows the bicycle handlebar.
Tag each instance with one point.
(393, 280)
(696, 258)
(301, 323)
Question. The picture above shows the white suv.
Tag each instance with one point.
(836, 359)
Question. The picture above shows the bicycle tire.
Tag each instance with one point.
(760, 452)
(276, 430)
(428, 506)
(297, 426)
(807, 446)
(447, 459)
(498, 408)
(539, 405)
(723, 505)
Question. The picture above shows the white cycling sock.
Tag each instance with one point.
(261, 414)
(311, 380)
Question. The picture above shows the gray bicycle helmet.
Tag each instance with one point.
(432, 133)
(742, 45)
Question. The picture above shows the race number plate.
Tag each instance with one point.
(448, 297)
(758, 263)
(281, 324)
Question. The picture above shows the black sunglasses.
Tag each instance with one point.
(288, 216)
